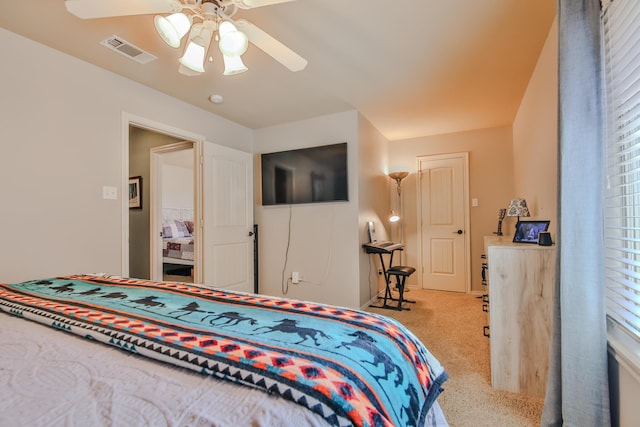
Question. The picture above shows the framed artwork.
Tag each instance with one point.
(135, 192)
(527, 231)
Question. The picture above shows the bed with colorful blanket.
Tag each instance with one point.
(347, 367)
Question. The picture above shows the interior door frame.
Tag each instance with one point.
(155, 220)
(467, 222)
(128, 120)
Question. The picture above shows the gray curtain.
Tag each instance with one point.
(578, 390)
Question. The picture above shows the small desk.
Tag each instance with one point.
(388, 248)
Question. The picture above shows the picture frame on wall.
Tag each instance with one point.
(527, 231)
(135, 192)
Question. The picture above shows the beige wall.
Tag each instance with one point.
(373, 202)
(507, 162)
(490, 181)
(322, 238)
(535, 137)
(62, 141)
(326, 239)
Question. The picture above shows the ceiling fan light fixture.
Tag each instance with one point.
(233, 65)
(172, 28)
(193, 57)
(173, 18)
(232, 42)
(197, 47)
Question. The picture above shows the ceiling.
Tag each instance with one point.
(411, 67)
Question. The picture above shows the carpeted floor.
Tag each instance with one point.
(451, 326)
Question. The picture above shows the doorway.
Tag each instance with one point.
(174, 237)
(443, 222)
(140, 240)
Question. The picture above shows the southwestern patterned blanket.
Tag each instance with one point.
(349, 366)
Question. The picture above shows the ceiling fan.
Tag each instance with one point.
(204, 20)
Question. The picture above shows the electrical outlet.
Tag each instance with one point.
(295, 277)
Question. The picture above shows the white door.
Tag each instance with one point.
(443, 188)
(228, 218)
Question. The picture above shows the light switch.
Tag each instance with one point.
(109, 193)
(474, 202)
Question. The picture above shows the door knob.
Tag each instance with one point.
(459, 232)
(250, 233)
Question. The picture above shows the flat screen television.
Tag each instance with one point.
(306, 175)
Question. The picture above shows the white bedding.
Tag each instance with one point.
(52, 378)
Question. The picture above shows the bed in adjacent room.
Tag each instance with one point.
(104, 350)
(177, 242)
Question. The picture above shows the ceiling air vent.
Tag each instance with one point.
(127, 49)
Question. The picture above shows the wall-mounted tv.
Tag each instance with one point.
(306, 175)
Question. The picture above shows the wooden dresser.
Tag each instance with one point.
(520, 279)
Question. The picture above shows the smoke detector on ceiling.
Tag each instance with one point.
(216, 99)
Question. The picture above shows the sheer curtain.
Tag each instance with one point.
(578, 390)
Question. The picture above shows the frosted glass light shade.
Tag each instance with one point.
(193, 57)
(233, 65)
(172, 28)
(394, 217)
(196, 50)
(232, 42)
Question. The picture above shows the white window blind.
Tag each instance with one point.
(621, 48)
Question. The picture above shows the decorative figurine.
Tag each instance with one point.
(501, 215)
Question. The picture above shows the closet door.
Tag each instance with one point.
(444, 222)
(228, 218)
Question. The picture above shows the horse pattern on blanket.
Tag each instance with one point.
(351, 367)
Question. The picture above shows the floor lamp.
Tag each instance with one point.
(397, 216)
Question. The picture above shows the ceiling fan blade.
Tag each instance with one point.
(87, 9)
(271, 46)
(250, 4)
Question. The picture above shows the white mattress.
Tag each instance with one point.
(52, 378)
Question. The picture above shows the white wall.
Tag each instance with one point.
(177, 187)
(324, 237)
(61, 131)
